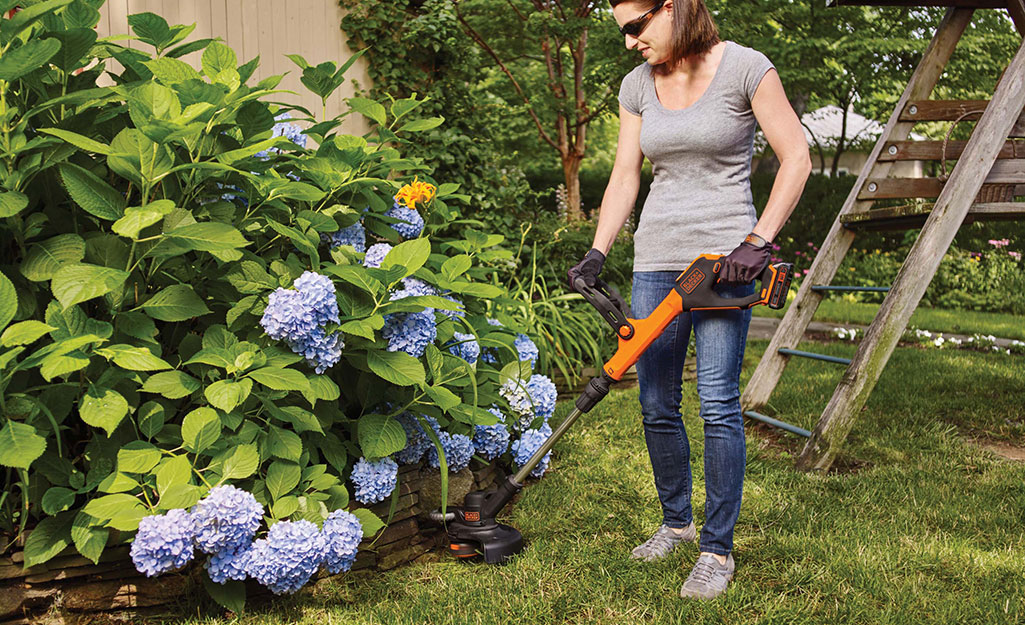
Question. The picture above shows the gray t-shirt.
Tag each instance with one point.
(700, 200)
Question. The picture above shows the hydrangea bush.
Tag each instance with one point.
(220, 317)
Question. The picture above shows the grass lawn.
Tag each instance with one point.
(1006, 326)
(918, 525)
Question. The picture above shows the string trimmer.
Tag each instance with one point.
(472, 529)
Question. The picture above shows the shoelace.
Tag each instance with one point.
(702, 572)
(661, 539)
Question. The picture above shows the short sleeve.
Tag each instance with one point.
(630, 93)
(757, 66)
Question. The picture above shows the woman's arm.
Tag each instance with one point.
(624, 182)
(783, 130)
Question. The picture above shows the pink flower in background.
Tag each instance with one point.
(998, 243)
(1015, 255)
(775, 248)
(805, 272)
(810, 244)
(776, 260)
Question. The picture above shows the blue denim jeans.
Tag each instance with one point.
(720, 337)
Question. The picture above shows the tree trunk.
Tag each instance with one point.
(571, 171)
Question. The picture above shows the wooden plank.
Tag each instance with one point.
(968, 4)
(1016, 9)
(833, 250)
(1011, 171)
(933, 150)
(950, 110)
(917, 272)
(914, 215)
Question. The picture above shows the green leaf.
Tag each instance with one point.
(284, 507)
(409, 254)
(102, 407)
(76, 283)
(56, 365)
(396, 367)
(117, 482)
(380, 436)
(20, 445)
(57, 499)
(30, 56)
(370, 109)
(173, 472)
(231, 595)
(175, 303)
(284, 444)
(137, 457)
(138, 217)
(420, 125)
(200, 429)
(27, 16)
(44, 259)
(242, 463)
(227, 394)
(434, 360)
(218, 57)
(24, 333)
(89, 539)
(12, 203)
(280, 379)
(151, 417)
(133, 358)
(50, 536)
(150, 28)
(75, 44)
(93, 195)
(8, 301)
(456, 266)
(324, 388)
(210, 236)
(171, 71)
(282, 477)
(180, 496)
(107, 507)
(79, 141)
(171, 384)
(370, 522)
(445, 398)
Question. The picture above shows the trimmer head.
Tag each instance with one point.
(473, 532)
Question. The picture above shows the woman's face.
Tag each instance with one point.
(655, 39)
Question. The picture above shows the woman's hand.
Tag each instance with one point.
(747, 262)
(588, 268)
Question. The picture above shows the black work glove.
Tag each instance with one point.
(745, 263)
(588, 268)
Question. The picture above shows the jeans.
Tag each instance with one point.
(720, 337)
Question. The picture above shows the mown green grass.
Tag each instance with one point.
(917, 526)
(968, 322)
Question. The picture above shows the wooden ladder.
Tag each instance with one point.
(988, 163)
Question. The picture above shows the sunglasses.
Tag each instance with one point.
(636, 26)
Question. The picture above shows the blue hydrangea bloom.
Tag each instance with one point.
(491, 441)
(490, 354)
(225, 519)
(283, 128)
(163, 542)
(411, 224)
(413, 287)
(342, 533)
(229, 564)
(515, 392)
(287, 316)
(526, 348)
(466, 347)
(375, 254)
(416, 440)
(286, 559)
(354, 235)
(458, 449)
(321, 350)
(374, 481)
(543, 393)
(410, 332)
(528, 443)
(318, 293)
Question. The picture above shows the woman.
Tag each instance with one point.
(691, 108)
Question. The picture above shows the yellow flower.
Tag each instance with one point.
(414, 192)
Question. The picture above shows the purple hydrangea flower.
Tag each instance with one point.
(163, 542)
(318, 293)
(465, 346)
(287, 317)
(342, 534)
(321, 350)
(491, 441)
(410, 332)
(375, 254)
(286, 559)
(354, 235)
(528, 443)
(225, 519)
(543, 393)
(229, 564)
(526, 348)
(298, 316)
(410, 223)
(458, 449)
(374, 481)
(416, 440)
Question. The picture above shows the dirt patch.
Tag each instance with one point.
(1003, 449)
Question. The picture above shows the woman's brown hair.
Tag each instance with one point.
(694, 30)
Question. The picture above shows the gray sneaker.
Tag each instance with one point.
(663, 541)
(708, 578)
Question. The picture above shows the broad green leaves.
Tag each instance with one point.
(20, 445)
(103, 408)
(75, 283)
(175, 303)
(93, 195)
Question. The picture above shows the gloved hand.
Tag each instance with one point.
(745, 263)
(588, 268)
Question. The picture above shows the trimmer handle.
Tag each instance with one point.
(696, 286)
(609, 304)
